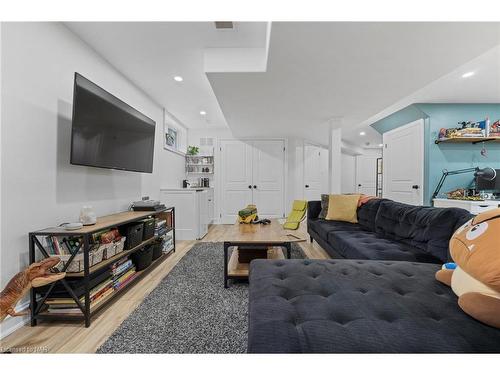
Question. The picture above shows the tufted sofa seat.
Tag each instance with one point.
(388, 230)
(358, 306)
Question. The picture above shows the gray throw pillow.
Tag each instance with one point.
(324, 206)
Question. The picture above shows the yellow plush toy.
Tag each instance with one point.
(475, 248)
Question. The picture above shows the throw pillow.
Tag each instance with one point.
(324, 206)
(343, 207)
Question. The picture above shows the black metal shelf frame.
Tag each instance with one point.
(85, 245)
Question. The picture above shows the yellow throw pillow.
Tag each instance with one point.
(343, 207)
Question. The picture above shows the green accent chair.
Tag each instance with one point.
(296, 216)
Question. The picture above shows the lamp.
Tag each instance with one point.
(487, 173)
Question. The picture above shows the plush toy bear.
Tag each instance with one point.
(475, 248)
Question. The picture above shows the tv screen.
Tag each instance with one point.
(494, 185)
(108, 133)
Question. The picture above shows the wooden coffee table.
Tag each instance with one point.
(272, 235)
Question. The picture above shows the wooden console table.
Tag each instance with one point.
(37, 298)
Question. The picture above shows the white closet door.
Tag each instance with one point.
(268, 177)
(366, 174)
(403, 172)
(312, 172)
(236, 171)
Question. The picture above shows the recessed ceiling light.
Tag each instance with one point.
(468, 74)
(178, 79)
(203, 113)
(362, 133)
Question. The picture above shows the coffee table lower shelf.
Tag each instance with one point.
(233, 269)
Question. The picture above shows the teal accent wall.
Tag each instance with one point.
(447, 155)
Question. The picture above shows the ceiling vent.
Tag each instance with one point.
(224, 25)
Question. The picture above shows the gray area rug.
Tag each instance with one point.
(189, 311)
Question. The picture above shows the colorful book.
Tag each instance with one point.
(122, 268)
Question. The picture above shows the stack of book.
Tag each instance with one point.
(69, 306)
(60, 245)
(160, 227)
(162, 231)
(123, 272)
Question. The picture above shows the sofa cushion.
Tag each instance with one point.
(323, 227)
(343, 207)
(426, 228)
(325, 198)
(356, 306)
(362, 244)
(367, 213)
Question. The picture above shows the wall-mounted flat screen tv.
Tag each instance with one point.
(107, 132)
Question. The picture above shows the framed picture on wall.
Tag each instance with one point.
(171, 137)
(174, 135)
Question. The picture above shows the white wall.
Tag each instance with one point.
(39, 187)
(348, 174)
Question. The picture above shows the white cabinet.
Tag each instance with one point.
(191, 211)
(252, 172)
(474, 207)
(211, 205)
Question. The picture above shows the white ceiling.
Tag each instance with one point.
(315, 71)
(150, 54)
(482, 87)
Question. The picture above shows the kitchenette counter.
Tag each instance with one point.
(187, 189)
(194, 210)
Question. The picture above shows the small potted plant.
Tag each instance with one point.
(193, 150)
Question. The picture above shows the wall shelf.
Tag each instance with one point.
(472, 140)
(200, 164)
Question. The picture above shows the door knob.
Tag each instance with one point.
(307, 186)
(255, 186)
(415, 187)
(359, 185)
(249, 186)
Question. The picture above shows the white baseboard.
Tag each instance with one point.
(12, 324)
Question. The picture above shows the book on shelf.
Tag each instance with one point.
(126, 282)
(124, 266)
(160, 223)
(94, 294)
(124, 278)
(61, 245)
(72, 310)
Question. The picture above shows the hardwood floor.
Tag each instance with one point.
(71, 337)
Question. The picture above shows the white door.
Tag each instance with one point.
(236, 178)
(312, 172)
(403, 172)
(366, 174)
(268, 178)
(348, 179)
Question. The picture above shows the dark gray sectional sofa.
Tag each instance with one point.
(371, 303)
(388, 230)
